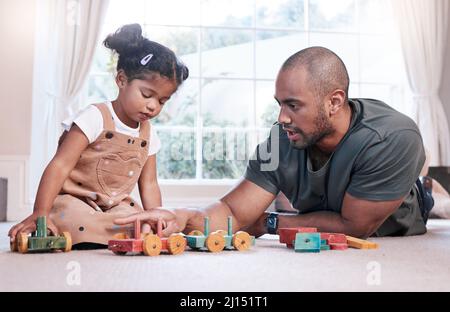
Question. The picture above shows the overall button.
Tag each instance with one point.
(143, 143)
(109, 135)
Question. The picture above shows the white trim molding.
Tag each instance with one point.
(15, 168)
(190, 194)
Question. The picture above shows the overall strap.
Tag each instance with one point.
(144, 131)
(108, 122)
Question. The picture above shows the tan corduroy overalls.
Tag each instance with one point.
(98, 189)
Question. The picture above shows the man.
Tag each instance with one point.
(347, 166)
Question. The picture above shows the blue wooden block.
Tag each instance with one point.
(307, 242)
(323, 242)
(228, 241)
(324, 247)
(195, 241)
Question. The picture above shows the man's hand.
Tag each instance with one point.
(174, 220)
(258, 228)
(29, 225)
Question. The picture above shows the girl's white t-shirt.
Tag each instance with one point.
(90, 121)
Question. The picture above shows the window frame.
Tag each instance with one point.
(199, 129)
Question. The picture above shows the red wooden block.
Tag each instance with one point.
(287, 235)
(126, 245)
(334, 238)
(307, 230)
(164, 243)
(338, 246)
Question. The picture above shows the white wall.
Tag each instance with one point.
(16, 64)
(17, 24)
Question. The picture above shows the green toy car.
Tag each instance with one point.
(39, 241)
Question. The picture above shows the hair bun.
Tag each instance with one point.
(127, 38)
(185, 73)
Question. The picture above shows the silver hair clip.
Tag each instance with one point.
(146, 59)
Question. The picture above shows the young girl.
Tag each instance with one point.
(108, 147)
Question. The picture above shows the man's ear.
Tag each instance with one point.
(121, 78)
(337, 101)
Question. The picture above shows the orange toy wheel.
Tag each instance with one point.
(221, 232)
(22, 242)
(152, 245)
(13, 245)
(68, 238)
(195, 233)
(215, 242)
(176, 244)
(121, 236)
(241, 241)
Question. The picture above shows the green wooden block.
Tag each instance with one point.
(307, 242)
(195, 241)
(41, 226)
(323, 242)
(229, 236)
(324, 247)
(46, 243)
(228, 241)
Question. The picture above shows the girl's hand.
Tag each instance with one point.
(174, 221)
(29, 225)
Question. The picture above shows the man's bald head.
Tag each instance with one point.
(326, 71)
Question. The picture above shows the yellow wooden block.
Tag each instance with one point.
(360, 243)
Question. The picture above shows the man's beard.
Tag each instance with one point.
(323, 129)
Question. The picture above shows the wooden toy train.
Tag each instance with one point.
(152, 245)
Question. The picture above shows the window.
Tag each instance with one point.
(234, 49)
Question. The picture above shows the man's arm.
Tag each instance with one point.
(246, 202)
(359, 217)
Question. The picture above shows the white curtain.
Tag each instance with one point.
(67, 34)
(423, 31)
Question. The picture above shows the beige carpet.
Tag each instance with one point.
(420, 263)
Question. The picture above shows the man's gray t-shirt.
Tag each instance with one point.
(379, 159)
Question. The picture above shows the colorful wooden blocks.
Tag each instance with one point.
(307, 239)
(149, 244)
(39, 241)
